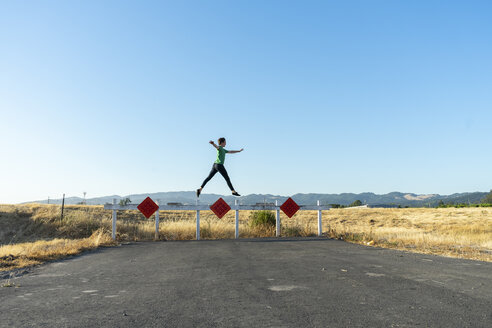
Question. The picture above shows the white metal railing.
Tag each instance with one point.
(201, 207)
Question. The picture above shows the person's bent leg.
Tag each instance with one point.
(213, 171)
(223, 171)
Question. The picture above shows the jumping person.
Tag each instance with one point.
(219, 166)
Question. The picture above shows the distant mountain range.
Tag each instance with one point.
(189, 197)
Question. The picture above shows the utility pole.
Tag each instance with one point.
(63, 206)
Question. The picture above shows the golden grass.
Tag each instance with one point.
(32, 253)
(31, 234)
(463, 232)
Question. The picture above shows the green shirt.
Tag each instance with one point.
(221, 155)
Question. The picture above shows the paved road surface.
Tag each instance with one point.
(251, 283)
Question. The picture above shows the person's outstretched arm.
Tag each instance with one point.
(213, 144)
(235, 151)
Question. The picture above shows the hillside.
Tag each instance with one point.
(390, 199)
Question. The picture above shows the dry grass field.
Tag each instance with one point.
(31, 234)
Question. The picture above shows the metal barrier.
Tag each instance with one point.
(199, 207)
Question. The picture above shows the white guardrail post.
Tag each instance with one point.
(237, 219)
(157, 223)
(197, 222)
(113, 233)
(320, 228)
(277, 218)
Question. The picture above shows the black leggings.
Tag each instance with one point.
(218, 168)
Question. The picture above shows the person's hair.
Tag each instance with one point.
(221, 140)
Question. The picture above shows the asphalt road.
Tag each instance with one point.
(251, 283)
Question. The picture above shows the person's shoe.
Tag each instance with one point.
(235, 193)
(198, 191)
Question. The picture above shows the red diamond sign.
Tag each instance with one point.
(148, 207)
(289, 207)
(220, 208)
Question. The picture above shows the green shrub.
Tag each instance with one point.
(356, 203)
(262, 219)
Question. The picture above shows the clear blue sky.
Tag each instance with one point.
(121, 97)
